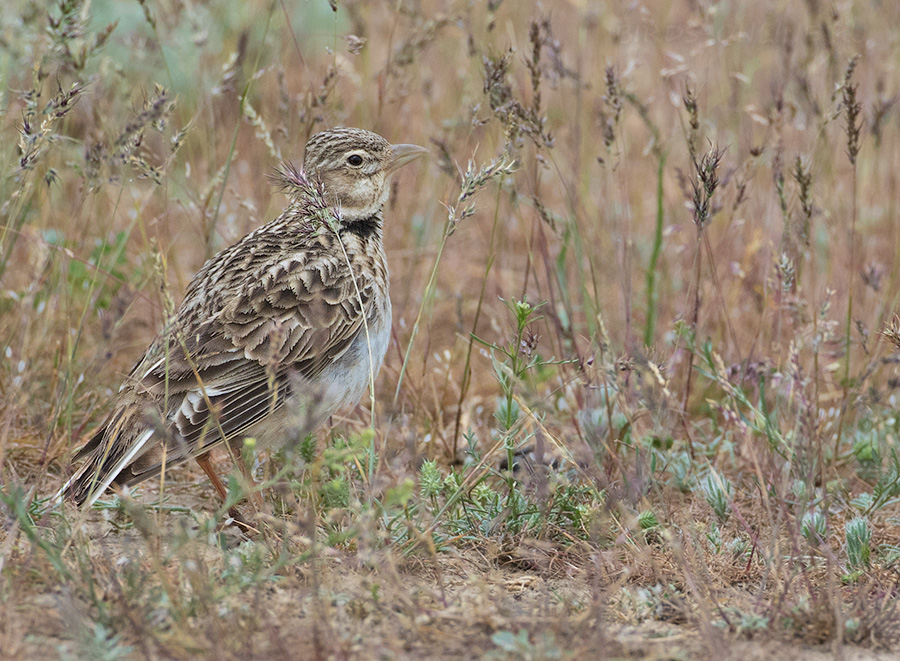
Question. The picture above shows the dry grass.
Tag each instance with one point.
(701, 196)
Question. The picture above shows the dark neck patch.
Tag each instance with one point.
(365, 228)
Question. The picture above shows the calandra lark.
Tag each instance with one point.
(274, 334)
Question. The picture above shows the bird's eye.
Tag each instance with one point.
(355, 159)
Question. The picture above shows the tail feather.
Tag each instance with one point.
(92, 479)
(108, 452)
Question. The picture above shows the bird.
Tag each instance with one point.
(274, 334)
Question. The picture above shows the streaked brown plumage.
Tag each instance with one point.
(274, 334)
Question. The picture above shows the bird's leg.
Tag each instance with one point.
(204, 463)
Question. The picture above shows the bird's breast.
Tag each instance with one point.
(347, 378)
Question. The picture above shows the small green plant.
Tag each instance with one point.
(887, 488)
(717, 492)
(739, 547)
(431, 482)
(516, 359)
(867, 451)
(813, 527)
(858, 537)
(753, 622)
(714, 537)
(747, 623)
(647, 520)
(307, 448)
(335, 493)
(513, 362)
(680, 469)
(519, 646)
(799, 490)
(863, 502)
(95, 641)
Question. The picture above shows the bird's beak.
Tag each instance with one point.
(403, 154)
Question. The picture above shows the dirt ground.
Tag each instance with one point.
(448, 619)
(485, 602)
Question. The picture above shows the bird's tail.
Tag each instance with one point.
(108, 452)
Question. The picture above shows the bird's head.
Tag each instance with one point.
(354, 167)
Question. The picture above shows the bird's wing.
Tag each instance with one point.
(296, 317)
(224, 365)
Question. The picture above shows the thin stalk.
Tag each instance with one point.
(467, 369)
(849, 320)
(695, 316)
(852, 109)
(652, 293)
(15, 230)
(429, 292)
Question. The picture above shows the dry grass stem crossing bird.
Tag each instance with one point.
(275, 333)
